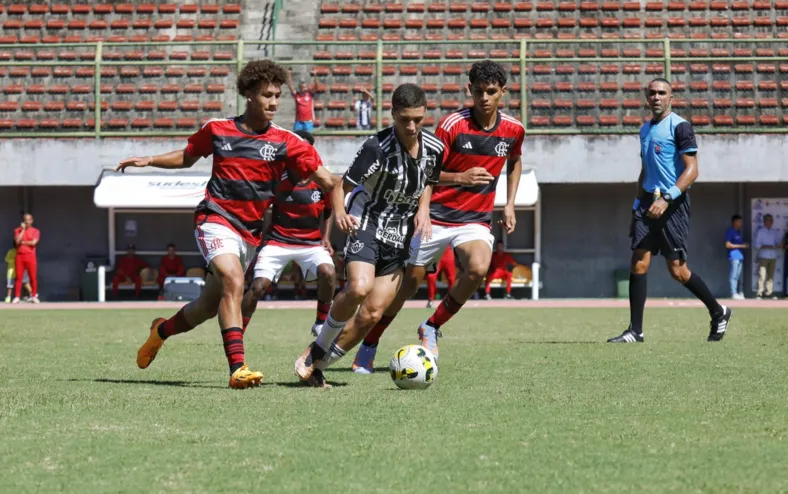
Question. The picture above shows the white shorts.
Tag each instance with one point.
(430, 251)
(214, 239)
(272, 259)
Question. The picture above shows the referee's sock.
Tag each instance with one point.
(638, 289)
(698, 288)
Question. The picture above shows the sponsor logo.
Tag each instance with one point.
(502, 149)
(372, 169)
(391, 234)
(226, 147)
(268, 152)
(468, 145)
(393, 197)
(316, 196)
(289, 199)
(216, 243)
(356, 247)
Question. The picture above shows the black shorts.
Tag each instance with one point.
(364, 247)
(667, 235)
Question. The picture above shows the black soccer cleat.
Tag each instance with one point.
(628, 336)
(719, 325)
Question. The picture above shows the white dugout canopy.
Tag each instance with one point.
(151, 193)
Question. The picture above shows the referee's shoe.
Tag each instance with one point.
(628, 336)
(719, 324)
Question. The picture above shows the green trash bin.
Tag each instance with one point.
(88, 287)
(622, 282)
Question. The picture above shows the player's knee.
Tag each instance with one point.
(680, 273)
(476, 270)
(232, 285)
(258, 288)
(326, 273)
(358, 289)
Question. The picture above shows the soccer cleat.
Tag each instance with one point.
(304, 367)
(318, 380)
(627, 336)
(244, 378)
(8, 300)
(15, 301)
(429, 338)
(34, 300)
(487, 296)
(364, 362)
(430, 304)
(316, 329)
(508, 296)
(719, 325)
(150, 348)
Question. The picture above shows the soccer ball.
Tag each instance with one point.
(413, 367)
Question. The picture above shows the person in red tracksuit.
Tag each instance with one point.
(171, 265)
(447, 266)
(128, 269)
(26, 238)
(501, 267)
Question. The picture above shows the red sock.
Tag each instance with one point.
(234, 347)
(177, 324)
(322, 311)
(245, 323)
(445, 311)
(373, 337)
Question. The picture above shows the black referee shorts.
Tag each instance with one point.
(364, 247)
(667, 235)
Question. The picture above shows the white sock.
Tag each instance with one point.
(334, 354)
(331, 330)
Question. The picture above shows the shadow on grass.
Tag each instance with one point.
(294, 384)
(177, 384)
(560, 342)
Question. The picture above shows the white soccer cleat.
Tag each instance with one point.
(35, 300)
(428, 338)
(15, 301)
(364, 363)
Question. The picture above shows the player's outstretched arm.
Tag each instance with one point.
(171, 160)
(324, 179)
(469, 178)
(514, 167)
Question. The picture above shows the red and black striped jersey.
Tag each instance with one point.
(298, 209)
(468, 145)
(247, 168)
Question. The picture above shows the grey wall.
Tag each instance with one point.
(557, 159)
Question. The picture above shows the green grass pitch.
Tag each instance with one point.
(527, 400)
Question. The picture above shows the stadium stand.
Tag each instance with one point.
(136, 97)
(566, 87)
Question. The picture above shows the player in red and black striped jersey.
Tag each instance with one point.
(479, 143)
(295, 235)
(250, 155)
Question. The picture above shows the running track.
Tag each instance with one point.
(473, 304)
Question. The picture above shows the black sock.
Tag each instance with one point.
(638, 289)
(317, 353)
(698, 288)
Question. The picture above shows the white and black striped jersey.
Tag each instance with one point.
(389, 183)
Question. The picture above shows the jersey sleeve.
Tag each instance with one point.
(366, 163)
(201, 142)
(302, 159)
(684, 135)
(445, 137)
(517, 147)
(435, 173)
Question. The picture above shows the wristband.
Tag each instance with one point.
(674, 192)
(636, 204)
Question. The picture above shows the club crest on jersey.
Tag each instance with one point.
(429, 165)
(657, 149)
(316, 196)
(268, 152)
(356, 247)
(502, 149)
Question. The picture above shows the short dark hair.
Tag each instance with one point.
(260, 71)
(661, 79)
(768, 217)
(305, 136)
(408, 96)
(735, 217)
(170, 245)
(488, 72)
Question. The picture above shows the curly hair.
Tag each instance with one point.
(260, 71)
(487, 72)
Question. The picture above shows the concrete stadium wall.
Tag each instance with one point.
(557, 159)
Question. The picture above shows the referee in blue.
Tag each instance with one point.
(661, 212)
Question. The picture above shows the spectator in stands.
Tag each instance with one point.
(10, 274)
(768, 243)
(128, 271)
(446, 266)
(363, 108)
(171, 265)
(26, 238)
(735, 245)
(305, 104)
(501, 267)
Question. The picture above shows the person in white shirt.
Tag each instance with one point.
(768, 243)
(363, 109)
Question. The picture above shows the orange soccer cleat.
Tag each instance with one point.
(150, 348)
(244, 378)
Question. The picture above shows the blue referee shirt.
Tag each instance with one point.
(661, 147)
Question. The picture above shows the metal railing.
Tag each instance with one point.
(382, 59)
